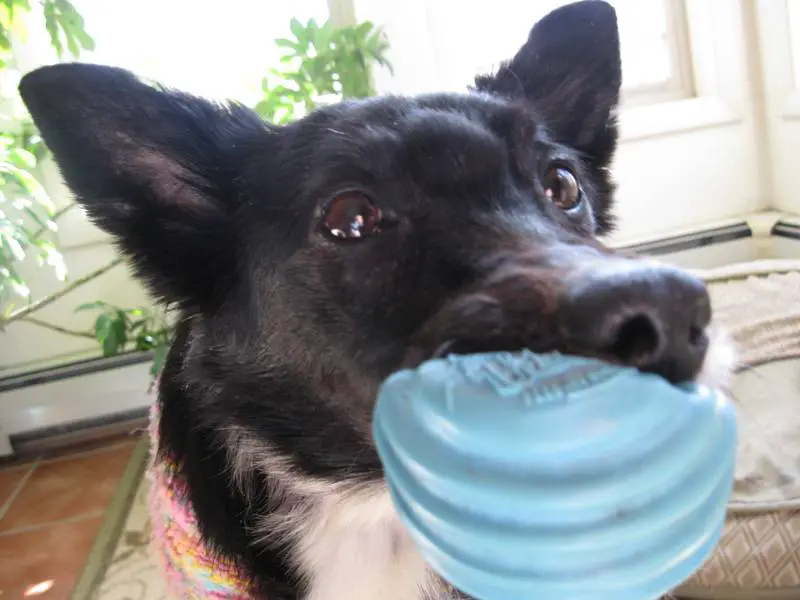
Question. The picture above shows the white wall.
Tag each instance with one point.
(778, 30)
(74, 399)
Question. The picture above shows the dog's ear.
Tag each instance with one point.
(155, 168)
(570, 71)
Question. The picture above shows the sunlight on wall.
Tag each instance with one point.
(219, 50)
(458, 25)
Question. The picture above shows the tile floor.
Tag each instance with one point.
(51, 508)
(134, 572)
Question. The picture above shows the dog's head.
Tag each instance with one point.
(324, 254)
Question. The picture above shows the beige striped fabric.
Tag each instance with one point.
(758, 557)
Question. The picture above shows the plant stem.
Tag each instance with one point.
(61, 212)
(58, 328)
(58, 214)
(47, 300)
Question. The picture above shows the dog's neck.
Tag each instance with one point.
(344, 540)
(344, 537)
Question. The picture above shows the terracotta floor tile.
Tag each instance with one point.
(56, 553)
(66, 488)
(10, 479)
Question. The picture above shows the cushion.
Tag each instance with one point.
(758, 556)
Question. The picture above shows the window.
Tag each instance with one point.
(470, 39)
(219, 50)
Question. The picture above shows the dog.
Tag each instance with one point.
(308, 262)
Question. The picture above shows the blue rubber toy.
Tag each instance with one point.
(526, 477)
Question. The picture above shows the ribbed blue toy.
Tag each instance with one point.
(526, 477)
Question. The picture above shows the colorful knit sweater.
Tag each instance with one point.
(192, 572)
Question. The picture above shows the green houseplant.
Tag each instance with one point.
(27, 216)
(318, 62)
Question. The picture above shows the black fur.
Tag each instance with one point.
(287, 331)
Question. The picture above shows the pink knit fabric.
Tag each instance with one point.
(192, 571)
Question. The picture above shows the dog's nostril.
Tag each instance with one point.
(636, 340)
(652, 318)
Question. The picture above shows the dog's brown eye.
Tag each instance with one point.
(562, 188)
(351, 215)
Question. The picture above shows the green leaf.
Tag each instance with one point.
(286, 43)
(102, 327)
(28, 184)
(72, 46)
(53, 30)
(8, 310)
(5, 40)
(363, 29)
(13, 247)
(119, 336)
(14, 281)
(297, 29)
(325, 34)
(110, 332)
(110, 344)
(92, 306)
(22, 158)
(85, 39)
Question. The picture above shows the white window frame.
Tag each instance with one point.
(794, 44)
(719, 99)
(716, 95)
(780, 100)
(783, 89)
(681, 84)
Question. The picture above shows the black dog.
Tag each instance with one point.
(310, 261)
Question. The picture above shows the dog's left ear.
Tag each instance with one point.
(570, 71)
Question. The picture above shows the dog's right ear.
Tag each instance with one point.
(570, 70)
(155, 168)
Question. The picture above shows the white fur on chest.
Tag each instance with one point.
(346, 540)
(353, 548)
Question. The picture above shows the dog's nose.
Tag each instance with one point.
(650, 317)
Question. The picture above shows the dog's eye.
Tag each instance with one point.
(350, 216)
(562, 188)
